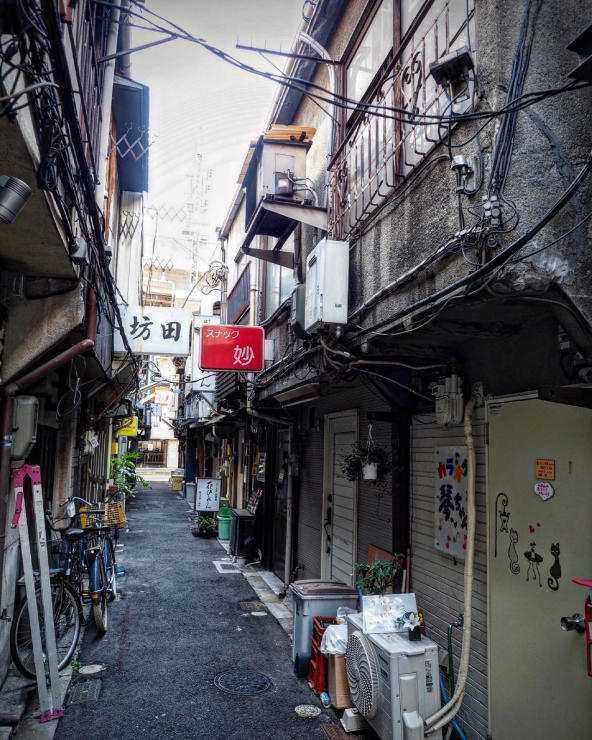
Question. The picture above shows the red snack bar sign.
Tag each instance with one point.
(238, 348)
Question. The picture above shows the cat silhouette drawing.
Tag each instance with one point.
(555, 570)
(512, 554)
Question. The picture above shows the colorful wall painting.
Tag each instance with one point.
(450, 513)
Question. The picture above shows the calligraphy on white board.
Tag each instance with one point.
(207, 496)
(154, 330)
(450, 512)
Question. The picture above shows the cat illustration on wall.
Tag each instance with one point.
(534, 560)
(512, 554)
(555, 570)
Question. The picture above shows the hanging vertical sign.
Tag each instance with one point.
(450, 514)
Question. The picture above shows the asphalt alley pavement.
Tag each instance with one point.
(176, 624)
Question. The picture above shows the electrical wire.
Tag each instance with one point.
(501, 258)
(555, 241)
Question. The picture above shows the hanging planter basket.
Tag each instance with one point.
(370, 471)
(367, 460)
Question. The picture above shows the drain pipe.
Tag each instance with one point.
(106, 100)
(11, 390)
(324, 54)
(444, 715)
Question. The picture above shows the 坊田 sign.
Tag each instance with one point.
(238, 348)
(154, 330)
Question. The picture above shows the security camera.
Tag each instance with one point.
(108, 252)
(14, 194)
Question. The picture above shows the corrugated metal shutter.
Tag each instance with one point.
(436, 580)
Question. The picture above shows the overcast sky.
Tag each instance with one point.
(199, 103)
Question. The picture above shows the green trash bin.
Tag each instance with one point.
(224, 519)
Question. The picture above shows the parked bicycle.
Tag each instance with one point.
(85, 571)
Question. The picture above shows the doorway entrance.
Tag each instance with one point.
(340, 499)
(539, 540)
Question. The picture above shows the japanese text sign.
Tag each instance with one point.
(450, 514)
(154, 330)
(544, 469)
(228, 348)
(207, 495)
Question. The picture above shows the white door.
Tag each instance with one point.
(539, 684)
(339, 541)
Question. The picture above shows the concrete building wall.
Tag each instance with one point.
(47, 321)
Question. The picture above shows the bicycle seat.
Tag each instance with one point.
(73, 535)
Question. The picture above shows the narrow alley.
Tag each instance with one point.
(176, 625)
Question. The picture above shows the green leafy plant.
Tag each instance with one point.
(376, 578)
(123, 471)
(352, 464)
(207, 524)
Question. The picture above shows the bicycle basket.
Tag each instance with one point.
(111, 515)
(57, 551)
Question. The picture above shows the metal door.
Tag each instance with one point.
(340, 504)
(539, 686)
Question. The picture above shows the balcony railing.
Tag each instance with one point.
(380, 152)
(86, 44)
(238, 298)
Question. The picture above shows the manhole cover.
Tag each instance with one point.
(251, 606)
(238, 681)
(84, 691)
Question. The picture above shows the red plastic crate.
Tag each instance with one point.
(317, 669)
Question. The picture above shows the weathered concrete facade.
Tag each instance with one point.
(518, 325)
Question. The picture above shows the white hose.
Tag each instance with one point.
(444, 715)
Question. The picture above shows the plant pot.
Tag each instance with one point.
(370, 471)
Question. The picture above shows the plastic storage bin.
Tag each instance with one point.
(313, 598)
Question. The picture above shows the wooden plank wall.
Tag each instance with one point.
(436, 580)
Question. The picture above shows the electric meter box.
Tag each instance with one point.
(297, 310)
(24, 426)
(327, 281)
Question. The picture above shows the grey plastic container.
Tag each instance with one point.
(315, 598)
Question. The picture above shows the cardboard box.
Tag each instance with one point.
(338, 685)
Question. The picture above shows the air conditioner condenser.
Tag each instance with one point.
(394, 682)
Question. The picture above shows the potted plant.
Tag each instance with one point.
(376, 578)
(206, 526)
(123, 471)
(367, 460)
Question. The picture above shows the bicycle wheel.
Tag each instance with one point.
(67, 611)
(99, 605)
(111, 568)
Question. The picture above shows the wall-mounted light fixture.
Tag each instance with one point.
(14, 194)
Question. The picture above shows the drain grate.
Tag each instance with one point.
(251, 606)
(84, 691)
(239, 681)
(334, 731)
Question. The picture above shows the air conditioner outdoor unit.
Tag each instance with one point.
(394, 682)
(327, 278)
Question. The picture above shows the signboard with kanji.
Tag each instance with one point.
(450, 514)
(544, 468)
(129, 428)
(154, 330)
(232, 348)
(207, 496)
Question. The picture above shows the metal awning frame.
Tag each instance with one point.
(294, 213)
